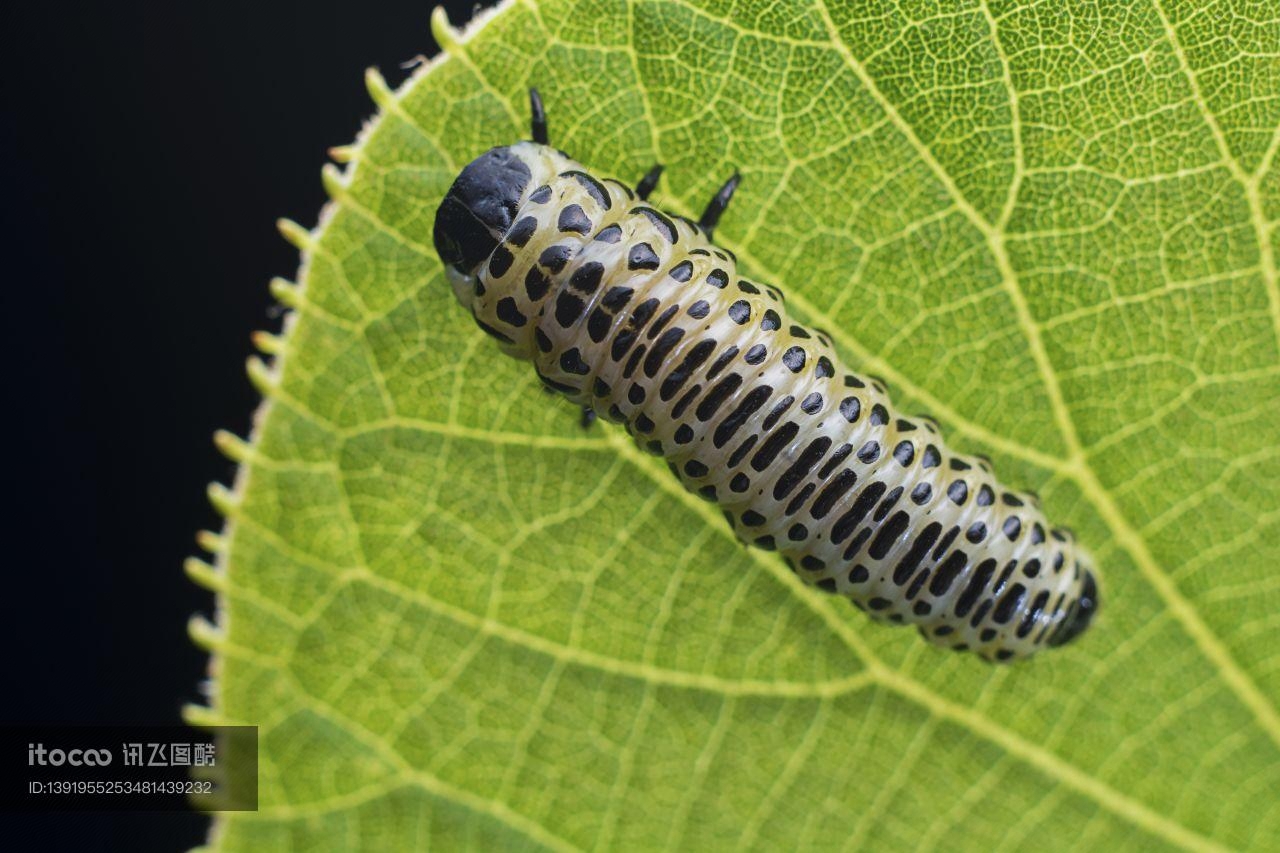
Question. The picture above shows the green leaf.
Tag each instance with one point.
(459, 619)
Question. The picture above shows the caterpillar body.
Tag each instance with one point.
(636, 314)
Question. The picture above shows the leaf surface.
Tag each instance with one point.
(459, 619)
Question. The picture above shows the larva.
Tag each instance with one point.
(636, 314)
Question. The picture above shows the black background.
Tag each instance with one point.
(148, 149)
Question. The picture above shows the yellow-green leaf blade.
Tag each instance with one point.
(460, 618)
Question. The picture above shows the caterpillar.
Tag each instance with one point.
(637, 314)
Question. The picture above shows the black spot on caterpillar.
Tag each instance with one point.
(637, 314)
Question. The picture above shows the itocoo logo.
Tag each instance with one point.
(37, 754)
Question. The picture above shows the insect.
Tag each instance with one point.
(636, 314)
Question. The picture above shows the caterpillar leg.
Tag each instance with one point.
(588, 416)
(538, 120)
(649, 181)
(719, 204)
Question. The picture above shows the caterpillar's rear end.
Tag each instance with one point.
(637, 315)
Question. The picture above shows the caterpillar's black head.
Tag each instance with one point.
(479, 208)
(1085, 610)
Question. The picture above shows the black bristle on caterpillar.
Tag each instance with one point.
(634, 313)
